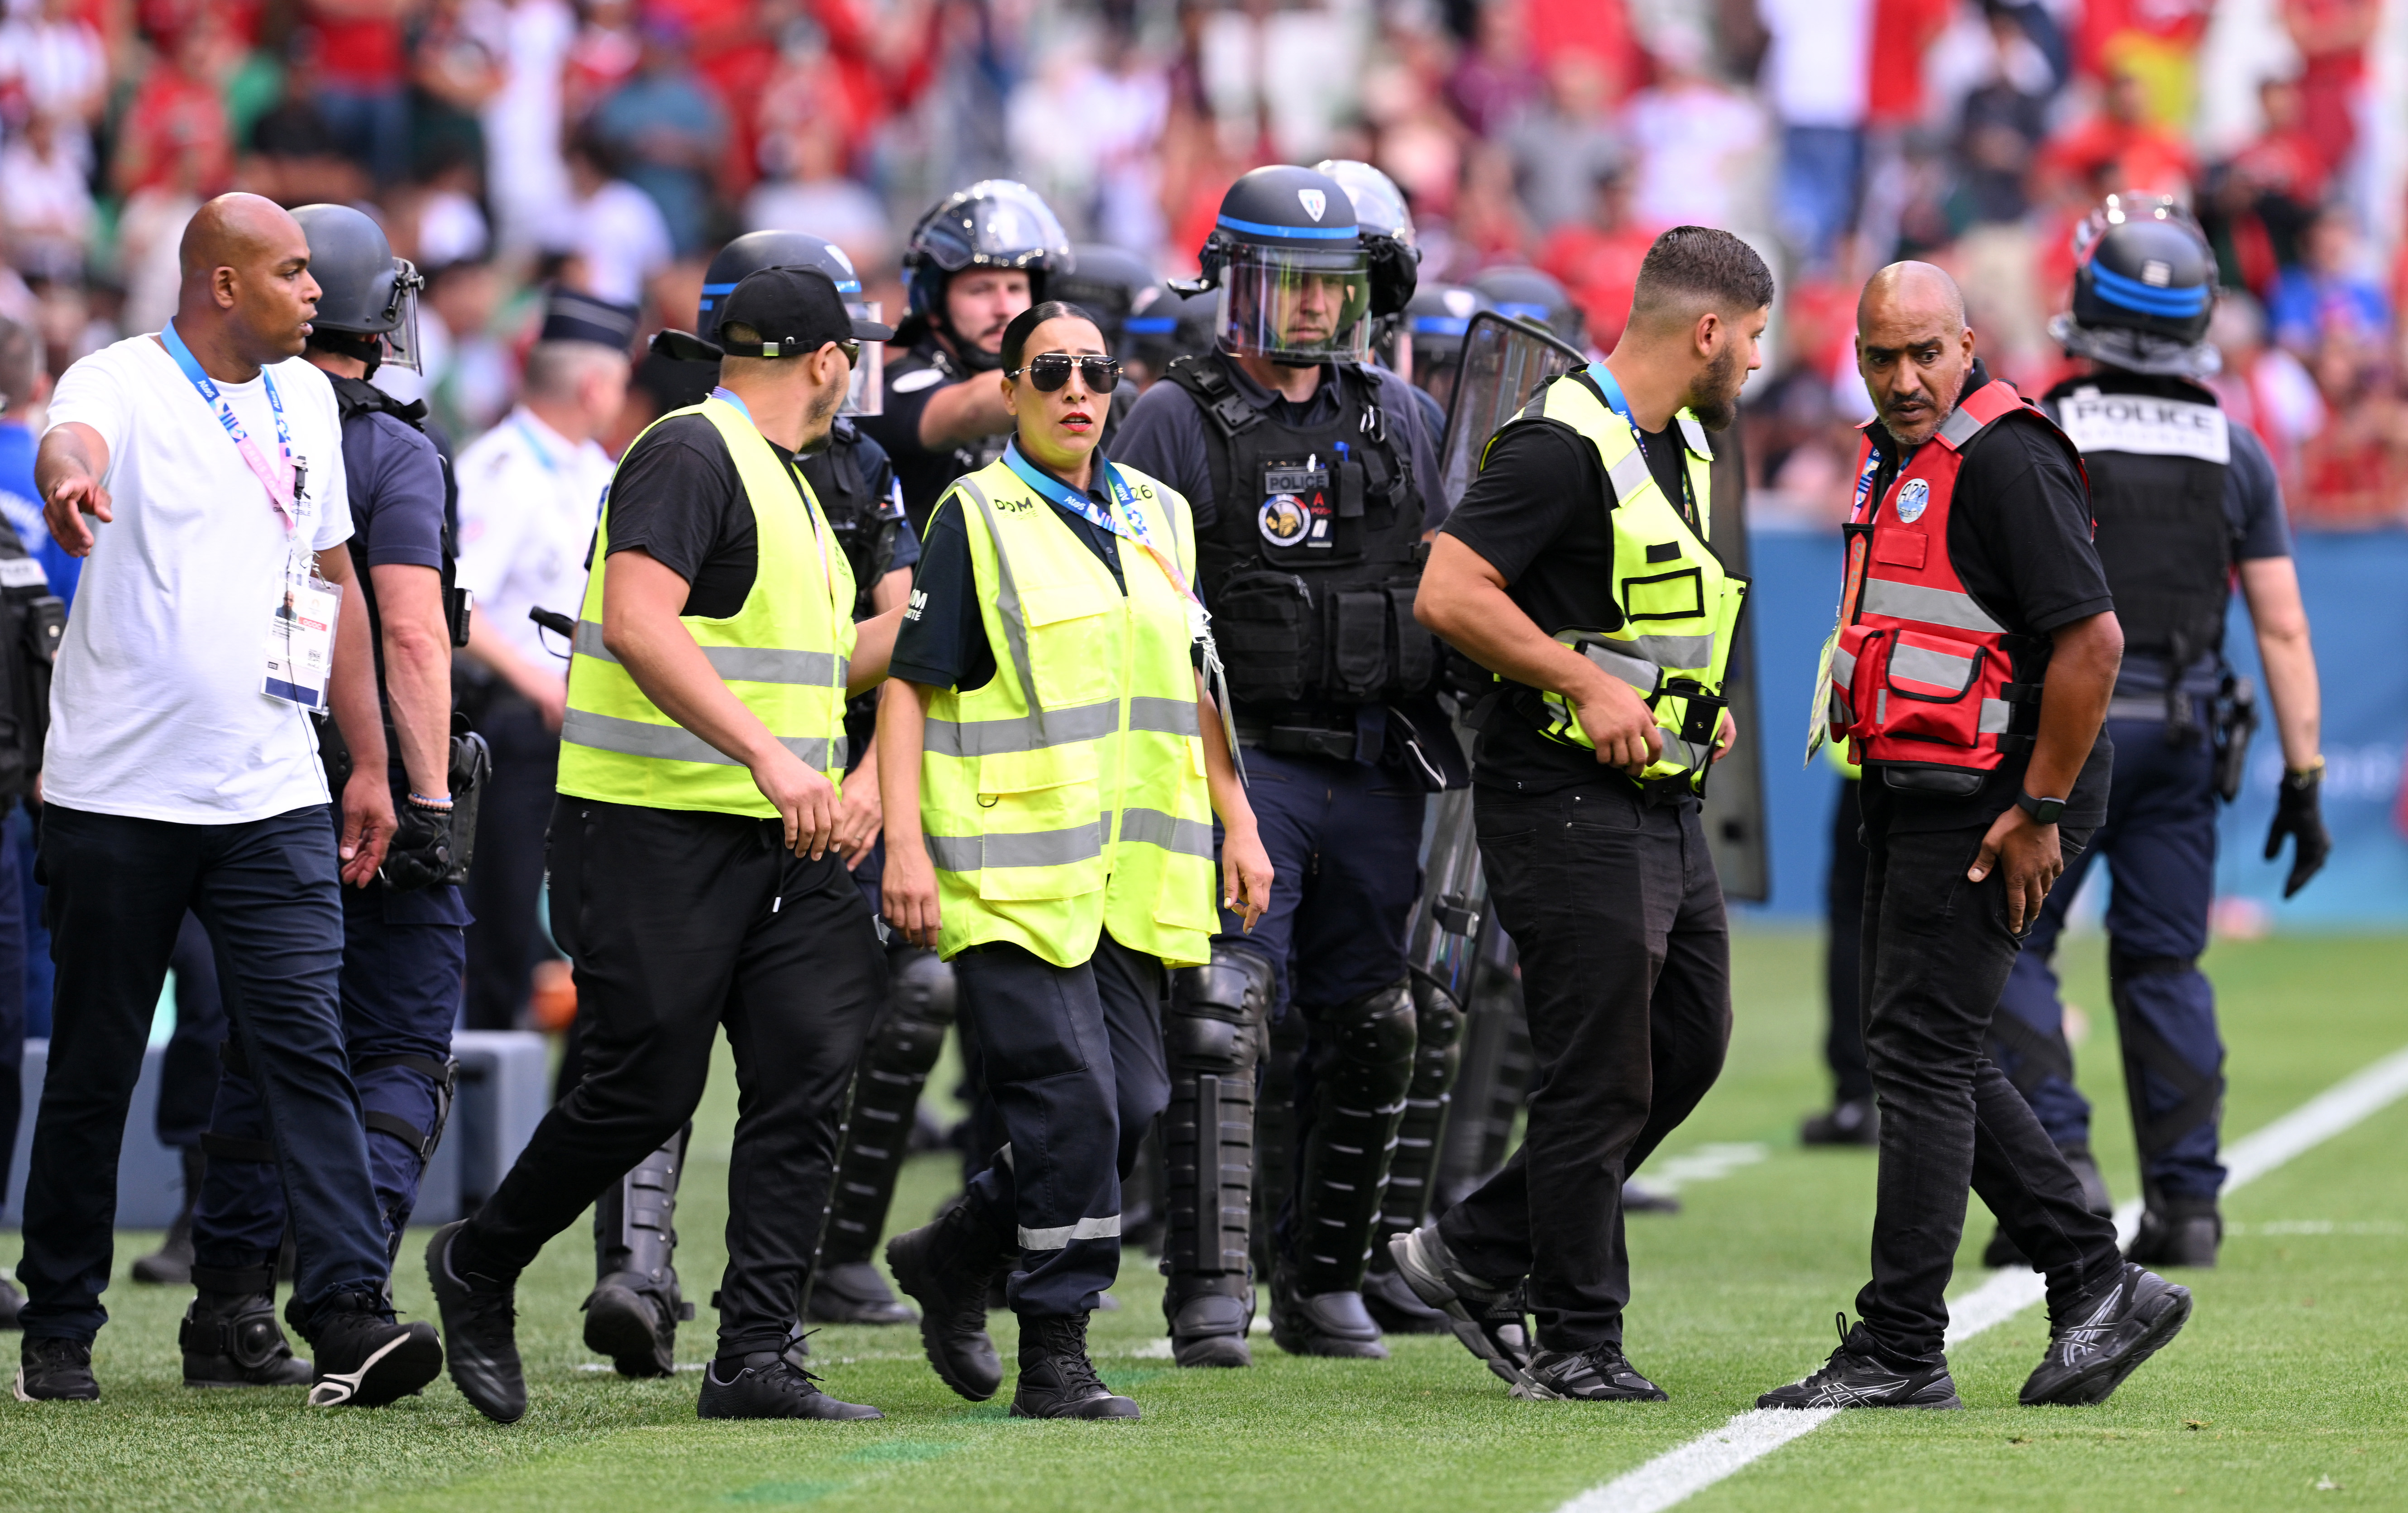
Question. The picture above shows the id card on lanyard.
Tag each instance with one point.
(300, 640)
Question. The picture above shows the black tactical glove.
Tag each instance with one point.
(421, 853)
(2299, 814)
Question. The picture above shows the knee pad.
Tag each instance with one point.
(442, 1075)
(1218, 1010)
(1375, 1036)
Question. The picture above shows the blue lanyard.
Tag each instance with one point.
(242, 439)
(726, 395)
(535, 445)
(1611, 388)
(1080, 505)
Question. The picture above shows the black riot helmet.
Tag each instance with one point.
(2143, 288)
(1435, 323)
(1294, 275)
(1170, 328)
(1386, 223)
(758, 249)
(1527, 294)
(1112, 285)
(365, 292)
(994, 223)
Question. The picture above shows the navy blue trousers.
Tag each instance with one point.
(12, 996)
(267, 889)
(1072, 1059)
(404, 955)
(2159, 844)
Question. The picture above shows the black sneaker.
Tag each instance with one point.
(231, 1340)
(1857, 1377)
(12, 1304)
(771, 1386)
(366, 1358)
(480, 1317)
(56, 1371)
(2178, 1232)
(949, 1279)
(1486, 1317)
(2105, 1336)
(1321, 1323)
(1639, 1198)
(1394, 1307)
(1601, 1374)
(852, 1293)
(1209, 1325)
(633, 1321)
(1057, 1378)
(1852, 1122)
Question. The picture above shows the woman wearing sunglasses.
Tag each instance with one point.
(1051, 766)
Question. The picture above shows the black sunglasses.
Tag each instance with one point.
(1052, 370)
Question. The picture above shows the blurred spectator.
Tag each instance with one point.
(44, 208)
(1598, 260)
(438, 219)
(525, 173)
(1564, 145)
(456, 67)
(603, 55)
(2330, 295)
(1495, 80)
(1104, 173)
(147, 230)
(2121, 146)
(293, 159)
(2151, 44)
(2262, 200)
(614, 228)
(469, 377)
(53, 64)
(2353, 472)
(806, 191)
(1696, 140)
(1999, 130)
(2262, 387)
(1813, 79)
(2331, 36)
(175, 133)
(666, 131)
(357, 60)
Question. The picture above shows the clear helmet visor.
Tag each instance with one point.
(1296, 306)
(401, 347)
(867, 394)
(1004, 224)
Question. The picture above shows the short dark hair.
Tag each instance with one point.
(1025, 325)
(20, 358)
(1700, 268)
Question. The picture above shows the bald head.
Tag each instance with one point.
(1913, 348)
(247, 295)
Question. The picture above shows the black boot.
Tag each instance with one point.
(852, 1293)
(767, 1384)
(1210, 1317)
(1057, 1378)
(2178, 1232)
(171, 1264)
(1851, 1121)
(633, 1312)
(1321, 1323)
(366, 1358)
(947, 1268)
(229, 1337)
(1392, 1302)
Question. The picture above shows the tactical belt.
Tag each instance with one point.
(1297, 740)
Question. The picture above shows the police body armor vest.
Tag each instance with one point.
(1922, 674)
(1316, 551)
(865, 519)
(1680, 607)
(2158, 451)
(33, 621)
(785, 654)
(1066, 795)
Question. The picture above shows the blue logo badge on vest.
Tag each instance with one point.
(1911, 501)
(1284, 519)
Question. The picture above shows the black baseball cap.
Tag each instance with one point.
(795, 309)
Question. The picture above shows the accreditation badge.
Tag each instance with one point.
(301, 641)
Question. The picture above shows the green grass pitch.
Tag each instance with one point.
(2287, 1388)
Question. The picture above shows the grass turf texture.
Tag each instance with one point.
(2291, 1374)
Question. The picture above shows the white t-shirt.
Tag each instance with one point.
(528, 504)
(155, 708)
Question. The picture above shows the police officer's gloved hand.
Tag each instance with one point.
(2299, 814)
(421, 853)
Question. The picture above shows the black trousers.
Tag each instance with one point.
(686, 923)
(1844, 1042)
(504, 942)
(1072, 1059)
(1937, 951)
(1626, 972)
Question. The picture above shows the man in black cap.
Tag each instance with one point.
(692, 846)
(529, 492)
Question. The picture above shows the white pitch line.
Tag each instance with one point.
(1685, 1470)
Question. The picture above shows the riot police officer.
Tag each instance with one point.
(1115, 286)
(1527, 294)
(404, 941)
(975, 261)
(2184, 501)
(1434, 326)
(1308, 474)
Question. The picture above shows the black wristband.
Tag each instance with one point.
(2042, 811)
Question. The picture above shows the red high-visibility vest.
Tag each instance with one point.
(1922, 674)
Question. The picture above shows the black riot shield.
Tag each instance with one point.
(1502, 363)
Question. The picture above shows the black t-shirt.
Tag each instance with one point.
(1538, 512)
(677, 495)
(2019, 537)
(942, 640)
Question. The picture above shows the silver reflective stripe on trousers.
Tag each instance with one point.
(1994, 717)
(742, 664)
(1938, 669)
(1187, 837)
(675, 743)
(1933, 606)
(1055, 1239)
(1018, 849)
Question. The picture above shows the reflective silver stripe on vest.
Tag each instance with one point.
(742, 664)
(675, 743)
(1638, 672)
(1025, 733)
(1629, 475)
(1994, 717)
(1186, 838)
(1024, 849)
(1164, 717)
(1058, 1238)
(1015, 626)
(1959, 428)
(1843, 669)
(1940, 669)
(1693, 436)
(1678, 651)
(1933, 606)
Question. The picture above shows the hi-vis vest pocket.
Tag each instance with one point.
(1044, 834)
(1938, 690)
(1680, 594)
(1074, 666)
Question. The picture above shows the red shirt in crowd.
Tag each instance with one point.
(1903, 32)
(356, 46)
(1599, 269)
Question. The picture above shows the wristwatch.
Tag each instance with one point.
(2042, 811)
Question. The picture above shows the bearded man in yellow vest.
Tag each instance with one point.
(1051, 767)
(1577, 570)
(693, 842)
